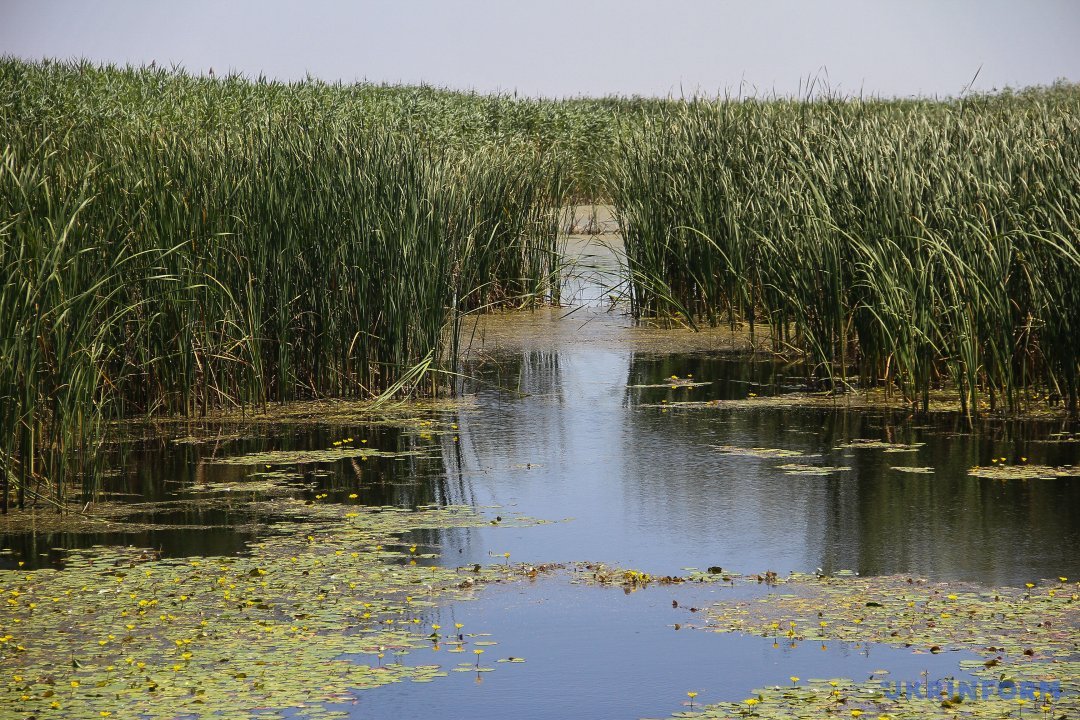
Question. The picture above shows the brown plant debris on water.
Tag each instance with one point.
(758, 452)
(941, 401)
(1024, 472)
(328, 412)
(889, 447)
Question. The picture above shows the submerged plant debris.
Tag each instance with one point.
(1026, 639)
(314, 613)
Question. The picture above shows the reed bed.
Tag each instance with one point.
(172, 244)
(909, 243)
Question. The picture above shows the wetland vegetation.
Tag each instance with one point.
(903, 243)
(811, 404)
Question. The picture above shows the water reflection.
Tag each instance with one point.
(648, 489)
(182, 501)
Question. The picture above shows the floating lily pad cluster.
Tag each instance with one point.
(330, 412)
(1056, 438)
(882, 699)
(131, 517)
(889, 447)
(794, 468)
(1024, 472)
(631, 580)
(1022, 635)
(266, 483)
(313, 614)
(758, 452)
(207, 439)
(803, 468)
(303, 457)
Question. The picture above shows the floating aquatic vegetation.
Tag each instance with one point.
(207, 439)
(860, 444)
(884, 699)
(915, 613)
(128, 517)
(1022, 635)
(1024, 472)
(672, 383)
(46, 521)
(871, 399)
(630, 580)
(122, 632)
(913, 469)
(349, 412)
(758, 452)
(1057, 438)
(304, 457)
(769, 401)
(269, 482)
(800, 469)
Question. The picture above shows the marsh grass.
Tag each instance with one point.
(176, 245)
(908, 243)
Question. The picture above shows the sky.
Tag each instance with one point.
(560, 48)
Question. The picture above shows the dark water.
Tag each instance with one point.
(557, 433)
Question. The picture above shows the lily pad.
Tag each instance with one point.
(122, 631)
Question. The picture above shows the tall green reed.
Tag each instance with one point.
(911, 243)
(180, 245)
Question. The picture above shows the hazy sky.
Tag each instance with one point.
(563, 47)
